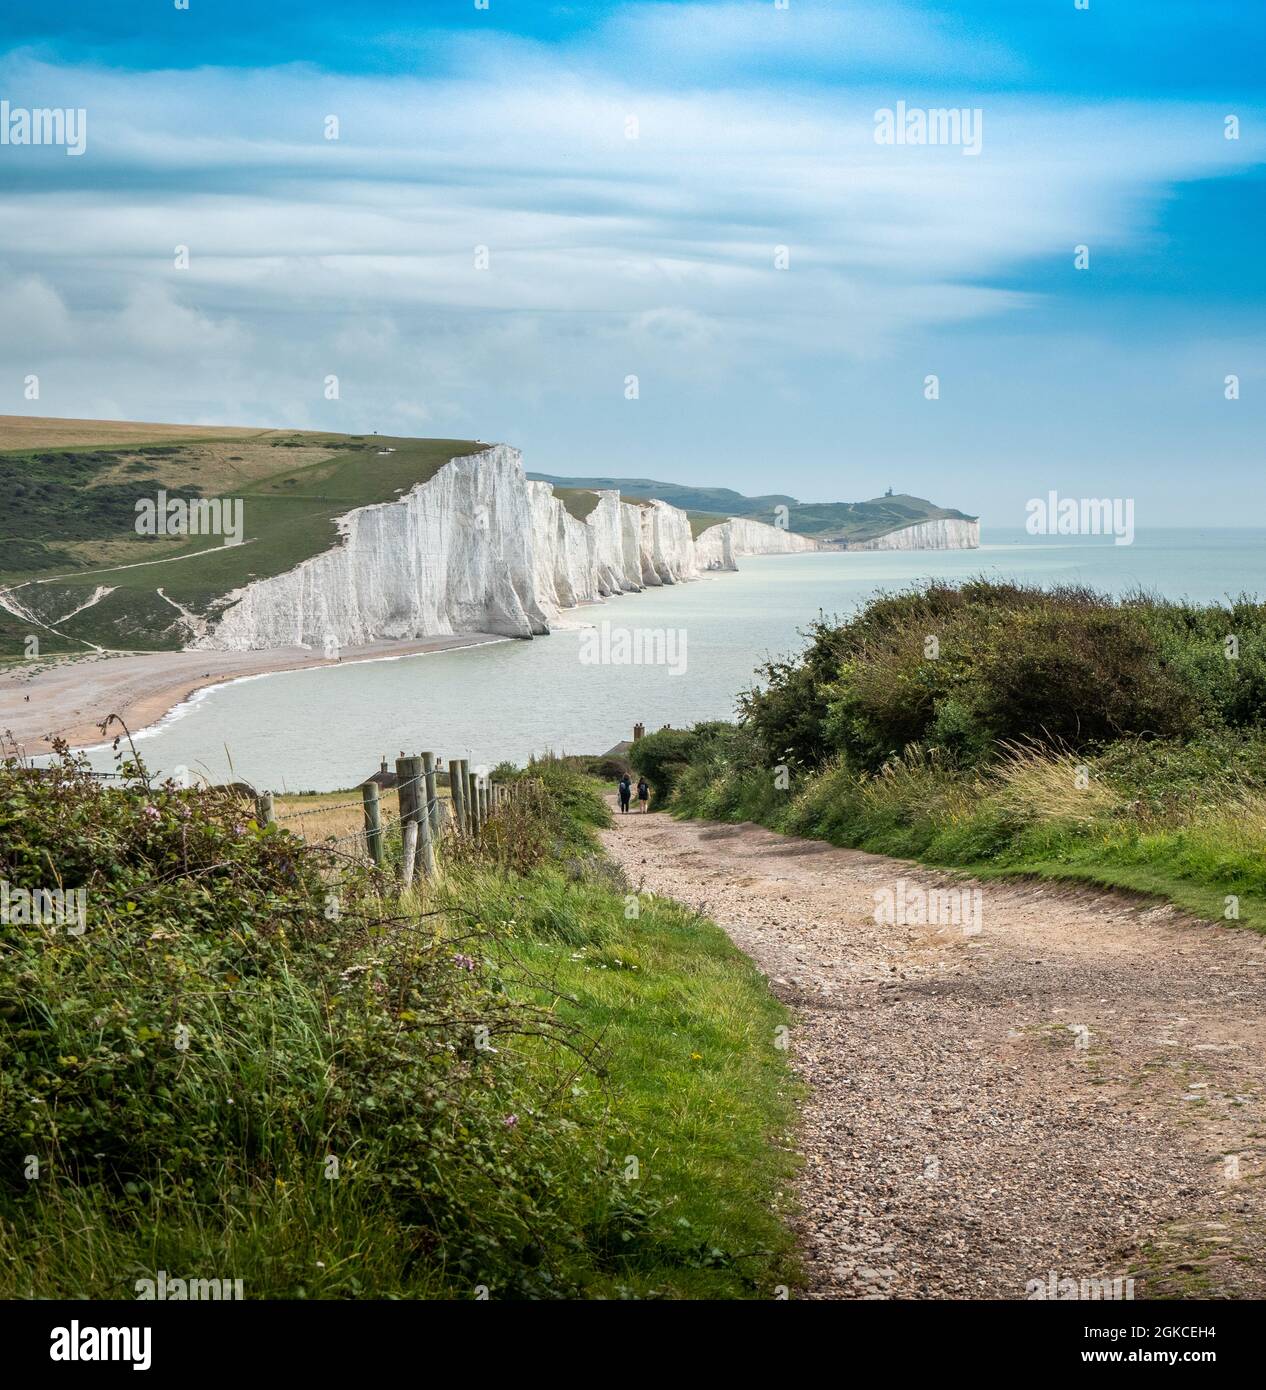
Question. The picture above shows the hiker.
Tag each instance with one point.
(643, 793)
(626, 793)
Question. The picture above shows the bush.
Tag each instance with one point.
(968, 670)
(662, 757)
(237, 1012)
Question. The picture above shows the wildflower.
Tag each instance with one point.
(464, 962)
(510, 1121)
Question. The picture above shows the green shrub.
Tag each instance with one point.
(967, 670)
(661, 757)
(233, 1016)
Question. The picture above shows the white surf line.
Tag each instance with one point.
(135, 565)
(196, 697)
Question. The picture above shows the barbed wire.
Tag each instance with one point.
(316, 811)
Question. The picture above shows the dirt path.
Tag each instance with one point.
(1076, 1087)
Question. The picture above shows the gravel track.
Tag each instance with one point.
(1076, 1087)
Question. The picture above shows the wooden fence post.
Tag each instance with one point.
(432, 794)
(410, 853)
(410, 791)
(264, 813)
(457, 785)
(373, 822)
(472, 786)
(426, 843)
(454, 798)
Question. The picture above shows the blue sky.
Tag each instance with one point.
(655, 257)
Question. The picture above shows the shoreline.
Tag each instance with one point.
(67, 697)
(70, 695)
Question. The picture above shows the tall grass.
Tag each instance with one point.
(522, 1077)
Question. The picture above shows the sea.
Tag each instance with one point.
(667, 656)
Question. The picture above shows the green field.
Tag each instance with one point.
(71, 525)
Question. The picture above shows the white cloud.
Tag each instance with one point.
(357, 256)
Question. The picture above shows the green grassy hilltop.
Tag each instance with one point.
(70, 528)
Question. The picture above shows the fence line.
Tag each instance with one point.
(424, 820)
(415, 835)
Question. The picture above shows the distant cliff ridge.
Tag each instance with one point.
(945, 533)
(836, 525)
(718, 546)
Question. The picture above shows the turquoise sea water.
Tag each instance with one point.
(327, 728)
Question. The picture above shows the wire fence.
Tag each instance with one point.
(370, 828)
(405, 836)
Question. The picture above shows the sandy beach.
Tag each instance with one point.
(69, 697)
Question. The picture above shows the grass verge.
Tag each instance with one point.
(261, 1063)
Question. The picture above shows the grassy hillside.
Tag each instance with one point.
(826, 521)
(70, 525)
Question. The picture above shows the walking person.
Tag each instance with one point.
(625, 790)
(643, 793)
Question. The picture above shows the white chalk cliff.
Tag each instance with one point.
(946, 533)
(719, 546)
(479, 548)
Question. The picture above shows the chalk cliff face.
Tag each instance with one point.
(456, 554)
(719, 546)
(949, 533)
(479, 548)
(668, 550)
(476, 548)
